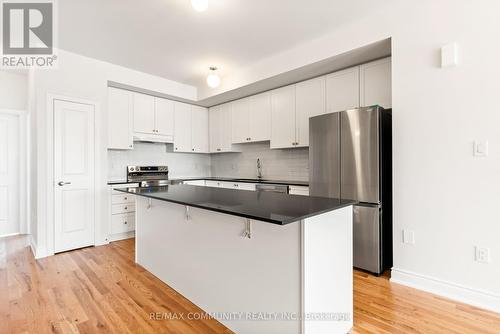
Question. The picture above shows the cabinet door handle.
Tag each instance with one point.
(126, 208)
(130, 146)
(125, 198)
(125, 223)
(192, 149)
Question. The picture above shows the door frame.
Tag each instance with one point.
(50, 177)
(24, 174)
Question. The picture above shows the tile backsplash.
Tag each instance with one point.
(179, 164)
(286, 164)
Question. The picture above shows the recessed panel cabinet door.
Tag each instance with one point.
(260, 117)
(342, 90)
(144, 113)
(225, 119)
(215, 129)
(283, 117)
(311, 101)
(120, 119)
(164, 117)
(199, 132)
(240, 121)
(375, 83)
(182, 127)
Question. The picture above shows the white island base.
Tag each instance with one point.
(261, 284)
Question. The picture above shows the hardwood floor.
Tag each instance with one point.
(101, 289)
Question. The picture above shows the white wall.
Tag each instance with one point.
(83, 78)
(13, 90)
(441, 192)
(149, 154)
(289, 164)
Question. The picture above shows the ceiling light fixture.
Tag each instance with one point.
(199, 5)
(213, 80)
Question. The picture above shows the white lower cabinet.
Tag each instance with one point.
(298, 190)
(122, 223)
(122, 217)
(195, 182)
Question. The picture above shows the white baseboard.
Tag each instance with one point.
(122, 236)
(457, 292)
(9, 235)
(33, 246)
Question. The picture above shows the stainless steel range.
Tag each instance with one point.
(148, 176)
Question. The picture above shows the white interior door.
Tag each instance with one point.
(73, 175)
(9, 175)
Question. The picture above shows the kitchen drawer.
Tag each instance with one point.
(122, 208)
(210, 183)
(122, 223)
(225, 184)
(299, 190)
(244, 186)
(121, 198)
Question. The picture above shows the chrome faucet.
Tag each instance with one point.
(259, 169)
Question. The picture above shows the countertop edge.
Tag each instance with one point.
(237, 214)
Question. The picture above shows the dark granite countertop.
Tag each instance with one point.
(228, 179)
(276, 208)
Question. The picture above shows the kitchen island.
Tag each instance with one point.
(258, 262)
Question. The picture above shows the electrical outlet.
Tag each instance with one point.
(408, 237)
(482, 254)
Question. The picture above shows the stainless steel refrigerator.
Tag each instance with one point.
(350, 156)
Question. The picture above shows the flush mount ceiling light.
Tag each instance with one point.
(199, 5)
(213, 80)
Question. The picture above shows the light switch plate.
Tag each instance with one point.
(408, 237)
(482, 254)
(481, 148)
(449, 55)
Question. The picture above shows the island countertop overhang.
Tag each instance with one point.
(275, 208)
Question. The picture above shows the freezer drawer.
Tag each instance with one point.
(366, 235)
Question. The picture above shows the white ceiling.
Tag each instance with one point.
(169, 39)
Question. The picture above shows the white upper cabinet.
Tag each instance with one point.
(283, 117)
(240, 121)
(144, 114)
(214, 129)
(251, 119)
(310, 101)
(182, 127)
(220, 128)
(120, 119)
(260, 117)
(342, 90)
(375, 83)
(225, 120)
(153, 118)
(199, 129)
(164, 117)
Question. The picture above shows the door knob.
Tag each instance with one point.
(62, 183)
